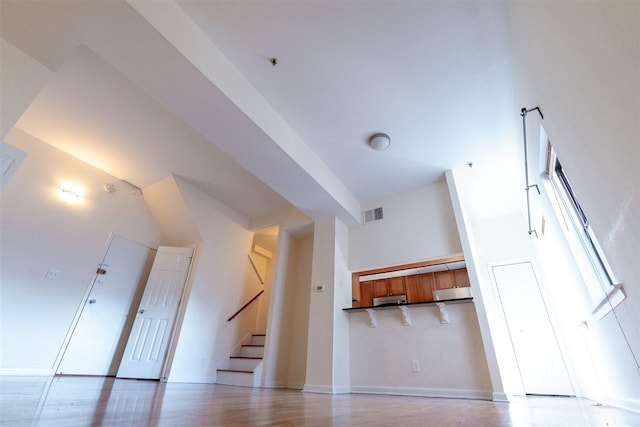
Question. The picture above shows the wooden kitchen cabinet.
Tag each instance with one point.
(452, 279)
(461, 278)
(440, 274)
(444, 279)
(420, 287)
(366, 294)
(355, 292)
(389, 287)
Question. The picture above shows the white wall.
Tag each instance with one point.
(451, 356)
(417, 225)
(41, 232)
(320, 344)
(579, 62)
(20, 82)
(286, 350)
(280, 299)
(171, 213)
(497, 240)
(328, 344)
(222, 282)
(299, 319)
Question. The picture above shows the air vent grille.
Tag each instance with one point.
(373, 215)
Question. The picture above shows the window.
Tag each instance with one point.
(603, 288)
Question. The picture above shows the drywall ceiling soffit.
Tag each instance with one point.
(144, 58)
(96, 114)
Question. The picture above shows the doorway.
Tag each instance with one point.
(147, 346)
(100, 333)
(533, 339)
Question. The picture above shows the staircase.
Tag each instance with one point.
(246, 369)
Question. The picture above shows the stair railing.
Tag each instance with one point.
(245, 306)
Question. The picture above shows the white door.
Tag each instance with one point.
(97, 341)
(149, 339)
(540, 362)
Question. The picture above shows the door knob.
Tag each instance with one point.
(141, 311)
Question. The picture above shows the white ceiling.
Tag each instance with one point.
(435, 76)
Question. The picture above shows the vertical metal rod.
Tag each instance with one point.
(523, 113)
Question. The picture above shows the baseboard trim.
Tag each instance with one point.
(296, 386)
(500, 397)
(631, 405)
(195, 380)
(326, 389)
(425, 392)
(27, 372)
(275, 384)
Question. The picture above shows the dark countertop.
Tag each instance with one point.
(410, 304)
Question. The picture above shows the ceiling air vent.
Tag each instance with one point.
(373, 215)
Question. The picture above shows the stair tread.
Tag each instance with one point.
(236, 370)
(245, 357)
(253, 345)
(259, 335)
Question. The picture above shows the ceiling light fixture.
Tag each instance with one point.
(379, 141)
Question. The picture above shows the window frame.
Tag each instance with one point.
(610, 292)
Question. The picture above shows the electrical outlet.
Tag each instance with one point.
(415, 366)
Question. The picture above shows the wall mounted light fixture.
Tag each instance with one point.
(70, 193)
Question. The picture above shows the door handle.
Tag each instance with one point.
(141, 311)
(92, 301)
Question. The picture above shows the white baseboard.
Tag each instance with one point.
(27, 372)
(195, 380)
(275, 384)
(425, 392)
(326, 389)
(500, 397)
(632, 405)
(296, 386)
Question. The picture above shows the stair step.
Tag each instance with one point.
(258, 339)
(252, 351)
(243, 363)
(239, 378)
(235, 370)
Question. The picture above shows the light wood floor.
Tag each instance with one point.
(85, 401)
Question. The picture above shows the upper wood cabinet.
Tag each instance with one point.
(452, 279)
(420, 287)
(417, 287)
(366, 294)
(389, 287)
(444, 279)
(461, 277)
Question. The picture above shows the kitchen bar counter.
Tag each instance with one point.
(409, 304)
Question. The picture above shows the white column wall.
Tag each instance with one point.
(320, 347)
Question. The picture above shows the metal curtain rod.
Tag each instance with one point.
(523, 113)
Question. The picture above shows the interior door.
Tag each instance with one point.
(149, 339)
(97, 341)
(538, 355)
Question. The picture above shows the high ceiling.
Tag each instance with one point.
(147, 89)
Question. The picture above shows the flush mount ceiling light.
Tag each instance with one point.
(379, 141)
